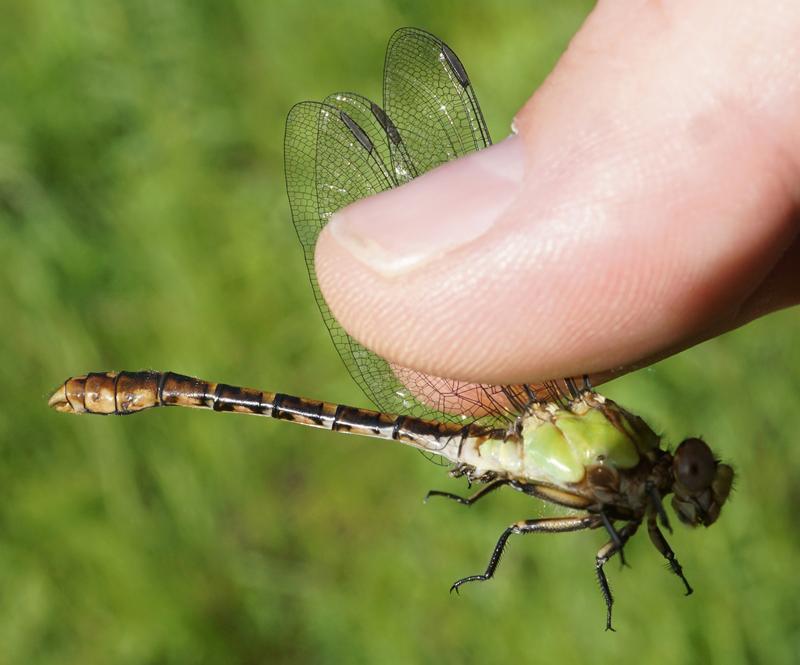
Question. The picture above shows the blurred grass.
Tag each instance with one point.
(143, 223)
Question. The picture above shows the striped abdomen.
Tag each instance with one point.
(122, 393)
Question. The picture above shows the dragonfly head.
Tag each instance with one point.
(702, 483)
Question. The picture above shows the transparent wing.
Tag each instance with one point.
(346, 148)
(428, 95)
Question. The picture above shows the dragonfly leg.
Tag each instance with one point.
(603, 555)
(658, 506)
(616, 539)
(666, 551)
(468, 501)
(546, 524)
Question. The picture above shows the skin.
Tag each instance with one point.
(650, 200)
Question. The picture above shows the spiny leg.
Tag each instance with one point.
(468, 501)
(666, 551)
(615, 538)
(603, 555)
(547, 524)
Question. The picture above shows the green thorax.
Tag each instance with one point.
(558, 443)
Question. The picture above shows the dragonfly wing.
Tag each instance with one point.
(347, 148)
(371, 120)
(336, 155)
(428, 95)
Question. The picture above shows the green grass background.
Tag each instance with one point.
(144, 224)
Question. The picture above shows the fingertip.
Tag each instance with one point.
(401, 230)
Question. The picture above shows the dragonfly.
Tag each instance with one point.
(559, 441)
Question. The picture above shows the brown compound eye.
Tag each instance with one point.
(603, 476)
(694, 465)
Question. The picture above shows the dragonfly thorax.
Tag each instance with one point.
(605, 458)
(561, 444)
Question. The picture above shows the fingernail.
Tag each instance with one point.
(400, 230)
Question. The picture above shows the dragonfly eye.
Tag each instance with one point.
(694, 465)
(601, 476)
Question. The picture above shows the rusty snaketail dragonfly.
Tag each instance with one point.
(559, 441)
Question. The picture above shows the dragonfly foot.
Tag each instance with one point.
(447, 495)
(464, 580)
(666, 551)
(468, 501)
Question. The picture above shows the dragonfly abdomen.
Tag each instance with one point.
(124, 393)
